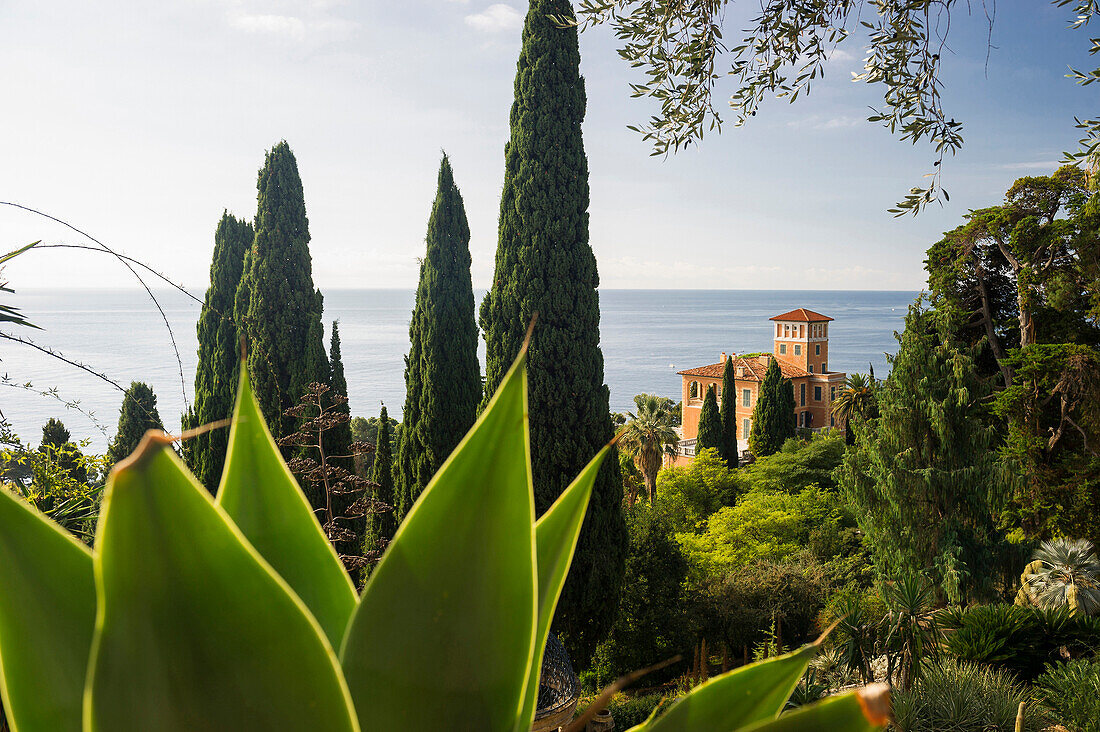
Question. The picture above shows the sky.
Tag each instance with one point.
(140, 122)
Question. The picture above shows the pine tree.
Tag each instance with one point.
(921, 478)
(442, 374)
(773, 416)
(277, 307)
(710, 424)
(381, 526)
(137, 416)
(219, 353)
(545, 265)
(728, 449)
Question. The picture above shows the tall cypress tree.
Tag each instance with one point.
(710, 424)
(338, 439)
(219, 353)
(728, 449)
(442, 374)
(56, 441)
(773, 416)
(544, 265)
(137, 416)
(277, 307)
(381, 526)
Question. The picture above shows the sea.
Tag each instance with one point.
(646, 337)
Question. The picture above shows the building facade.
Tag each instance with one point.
(801, 348)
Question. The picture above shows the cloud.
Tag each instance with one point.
(295, 21)
(823, 122)
(287, 26)
(1037, 165)
(495, 19)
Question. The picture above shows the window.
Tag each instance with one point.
(817, 350)
(746, 397)
(801, 395)
(817, 393)
(832, 393)
(693, 390)
(719, 391)
(811, 367)
(782, 349)
(823, 369)
(745, 423)
(797, 350)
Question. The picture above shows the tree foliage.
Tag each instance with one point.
(922, 478)
(682, 51)
(442, 374)
(710, 424)
(382, 524)
(773, 415)
(137, 416)
(338, 440)
(728, 449)
(219, 352)
(648, 437)
(277, 307)
(545, 266)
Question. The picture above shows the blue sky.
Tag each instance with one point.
(140, 122)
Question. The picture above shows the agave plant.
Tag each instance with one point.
(1064, 572)
(236, 614)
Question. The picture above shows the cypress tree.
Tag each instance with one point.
(137, 416)
(54, 433)
(442, 374)
(728, 449)
(381, 526)
(56, 441)
(544, 265)
(773, 416)
(710, 424)
(338, 439)
(219, 353)
(277, 307)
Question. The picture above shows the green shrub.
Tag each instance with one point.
(629, 711)
(650, 626)
(1070, 692)
(1020, 639)
(964, 697)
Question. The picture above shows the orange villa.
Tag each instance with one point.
(801, 347)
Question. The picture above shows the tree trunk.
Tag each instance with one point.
(991, 332)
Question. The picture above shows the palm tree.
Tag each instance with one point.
(856, 397)
(1064, 572)
(649, 436)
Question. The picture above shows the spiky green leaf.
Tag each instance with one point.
(261, 496)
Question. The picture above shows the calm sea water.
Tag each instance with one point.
(646, 336)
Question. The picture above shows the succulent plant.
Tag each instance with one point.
(236, 614)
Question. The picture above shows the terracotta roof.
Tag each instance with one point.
(755, 368)
(802, 315)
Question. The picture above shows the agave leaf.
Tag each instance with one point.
(445, 631)
(47, 615)
(863, 710)
(739, 698)
(263, 499)
(195, 631)
(555, 541)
